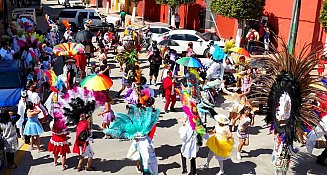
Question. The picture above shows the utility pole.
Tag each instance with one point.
(97, 2)
(143, 10)
(294, 26)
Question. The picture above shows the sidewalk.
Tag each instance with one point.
(138, 19)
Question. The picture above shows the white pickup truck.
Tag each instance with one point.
(24, 12)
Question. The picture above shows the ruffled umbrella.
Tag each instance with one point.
(240, 51)
(189, 62)
(68, 49)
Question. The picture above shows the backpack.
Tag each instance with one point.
(251, 36)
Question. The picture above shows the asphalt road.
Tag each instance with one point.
(110, 155)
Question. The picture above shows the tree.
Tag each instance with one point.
(136, 2)
(173, 5)
(323, 15)
(240, 10)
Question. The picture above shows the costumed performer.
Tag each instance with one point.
(289, 90)
(21, 111)
(58, 143)
(221, 143)
(137, 124)
(79, 113)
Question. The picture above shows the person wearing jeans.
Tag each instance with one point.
(169, 89)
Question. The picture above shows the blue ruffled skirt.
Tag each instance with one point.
(33, 127)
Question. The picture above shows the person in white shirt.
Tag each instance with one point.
(189, 147)
(177, 20)
(6, 52)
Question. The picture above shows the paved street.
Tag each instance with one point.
(110, 154)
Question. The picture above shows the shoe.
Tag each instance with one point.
(321, 162)
(220, 173)
(90, 169)
(184, 172)
(138, 171)
(79, 169)
(166, 111)
(205, 166)
(173, 110)
(238, 156)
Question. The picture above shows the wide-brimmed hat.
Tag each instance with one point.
(70, 60)
(221, 118)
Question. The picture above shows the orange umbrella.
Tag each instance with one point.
(240, 51)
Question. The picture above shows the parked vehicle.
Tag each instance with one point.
(156, 31)
(12, 79)
(71, 3)
(37, 5)
(97, 21)
(24, 12)
(211, 36)
(183, 37)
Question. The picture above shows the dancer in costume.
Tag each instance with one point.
(169, 86)
(79, 113)
(33, 127)
(21, 111)
(107, 114)
(58, 143)
(137, 124)
(221, 143)
(189, 146)
(243, 129)
(68, 33)
(289, 87)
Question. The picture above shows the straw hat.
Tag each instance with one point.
(221, 118)
(70, 60)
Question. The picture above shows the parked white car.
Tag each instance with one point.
(71, 3)
(157, 31)
(183, 37)
(97, 20)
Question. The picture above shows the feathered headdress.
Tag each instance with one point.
(287, 89)
(136, 123)
(77, 107)
(65, 22)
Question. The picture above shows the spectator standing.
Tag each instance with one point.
(122, 18)
(177, 20)
(155, 62)
(266, 39)
(252, 37)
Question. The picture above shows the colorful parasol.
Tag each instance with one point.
(98, 82)
(240, 51)
(189, 62)
(68, 49)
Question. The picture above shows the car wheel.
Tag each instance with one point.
(206, 53)
(111, 28)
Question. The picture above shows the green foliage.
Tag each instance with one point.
(323, 15)
(239, 9)
(174, 3)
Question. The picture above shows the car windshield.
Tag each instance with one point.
(10, 80)
(67, 14)
(201, 36)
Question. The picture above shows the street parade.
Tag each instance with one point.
(74, 99)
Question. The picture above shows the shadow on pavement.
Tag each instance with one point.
(112, 166)
(167, 123)
(166, 151)
(304, 163)
(257, 152)
(230, 168)
(163, 168)
(255, 130)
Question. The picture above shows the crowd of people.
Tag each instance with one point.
(58, 93)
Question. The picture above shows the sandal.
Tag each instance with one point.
(79, 169)
(90, 169)
(13, 166)
(64, 167)
(57, 163)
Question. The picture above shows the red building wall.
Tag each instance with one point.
(227, 27)
(309, 30)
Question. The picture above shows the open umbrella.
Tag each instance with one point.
(189, 62)
(83, 35)
(218, 53)
(98, 82)
(168, 42)
(240, 51)
(68, 49)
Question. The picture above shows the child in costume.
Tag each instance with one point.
(247, 80)
(33, 127)
(107, 114)
(58, 143)
(79, 113)
(243, 129)
(221, 143)
(240, 67)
